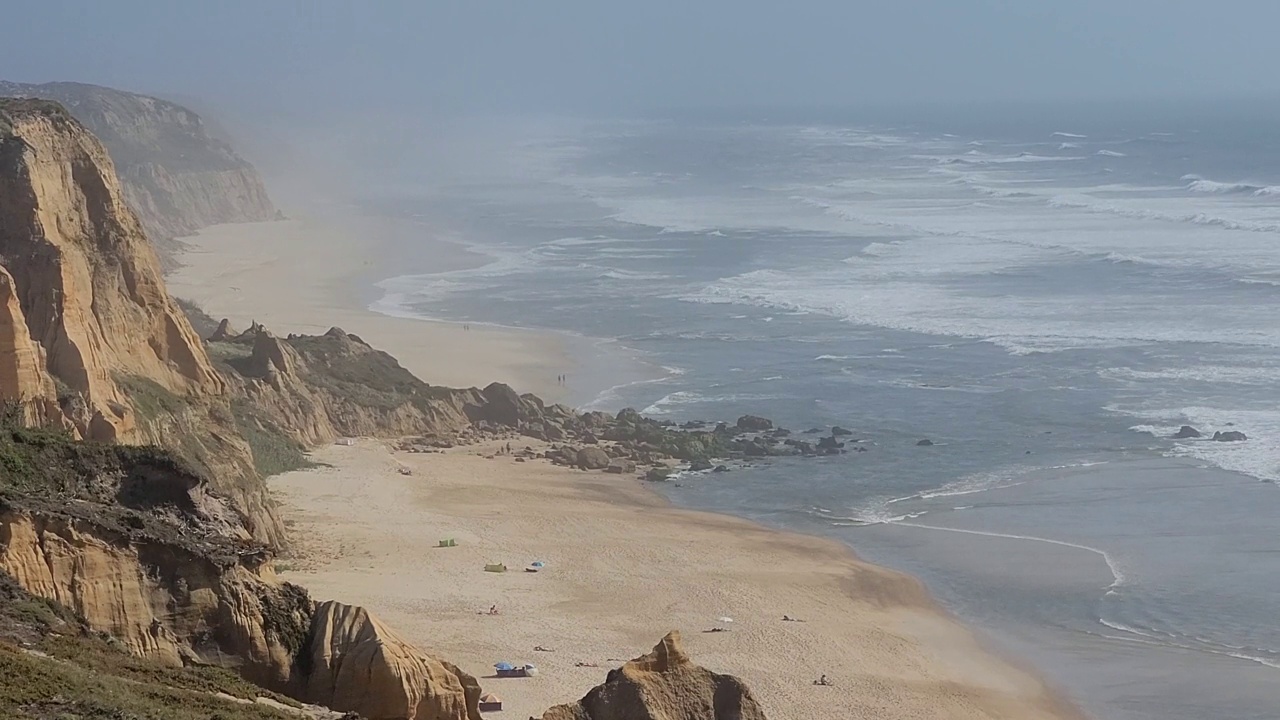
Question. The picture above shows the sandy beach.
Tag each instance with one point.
(622, 566)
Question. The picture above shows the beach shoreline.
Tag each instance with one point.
(624, 566)
(307, 275)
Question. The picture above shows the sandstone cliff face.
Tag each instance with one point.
(23, 379)
(147, 552)
(663, 685)
(90, 294)
(160, 601)
(89, 285)
(176, 176)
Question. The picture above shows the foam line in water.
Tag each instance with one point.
(1117, 575)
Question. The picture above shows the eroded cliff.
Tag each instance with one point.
(140, 548)
(176, 175)
(91, 306)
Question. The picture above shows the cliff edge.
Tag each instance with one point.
(89, 336)
(175, 174)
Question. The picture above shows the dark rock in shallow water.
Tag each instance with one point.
(720, 468)
(813, 431)
(754, 423)
(658, 474)
(1186, 431)
(700, 465)
(1229, 436)
(924, 443)
(721, 428)
(837, 431)
(829, 443)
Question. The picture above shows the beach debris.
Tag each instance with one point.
(448, 542)
(495, 568)
(490, 703)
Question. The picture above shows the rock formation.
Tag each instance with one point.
(143, 550)
(89, 283)
(125, 361)
(663, 685)
(23, 378)
(355, 663)
(175, 175)
(1186, 432)
(1229, 436)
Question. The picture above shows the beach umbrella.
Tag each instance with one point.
(503, 666)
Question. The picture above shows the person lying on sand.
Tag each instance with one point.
(585, 664)
(716, 629)
(788, 618)
(539, 648)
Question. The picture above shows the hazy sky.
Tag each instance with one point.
(603, 56)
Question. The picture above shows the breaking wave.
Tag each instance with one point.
(1195, 183)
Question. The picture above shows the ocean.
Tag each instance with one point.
(1046, 296)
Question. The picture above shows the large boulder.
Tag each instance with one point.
(663, 685)
(354, 663)
(1186, 432)
(1229, 436)
(593, 458)
(754, 423)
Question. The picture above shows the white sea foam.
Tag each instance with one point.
(1111, 153)
(1117, 574)
(1195, 183)
(1069, 135)
(1259, 456)
(1151, 636)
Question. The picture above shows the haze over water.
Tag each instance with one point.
(1046, 300)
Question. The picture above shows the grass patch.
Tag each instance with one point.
(150, 399)
(51, 463)
(274, 451)
(112, 686)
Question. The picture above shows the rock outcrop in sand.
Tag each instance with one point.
(663, 685)
(176, 176)
(355, 663)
